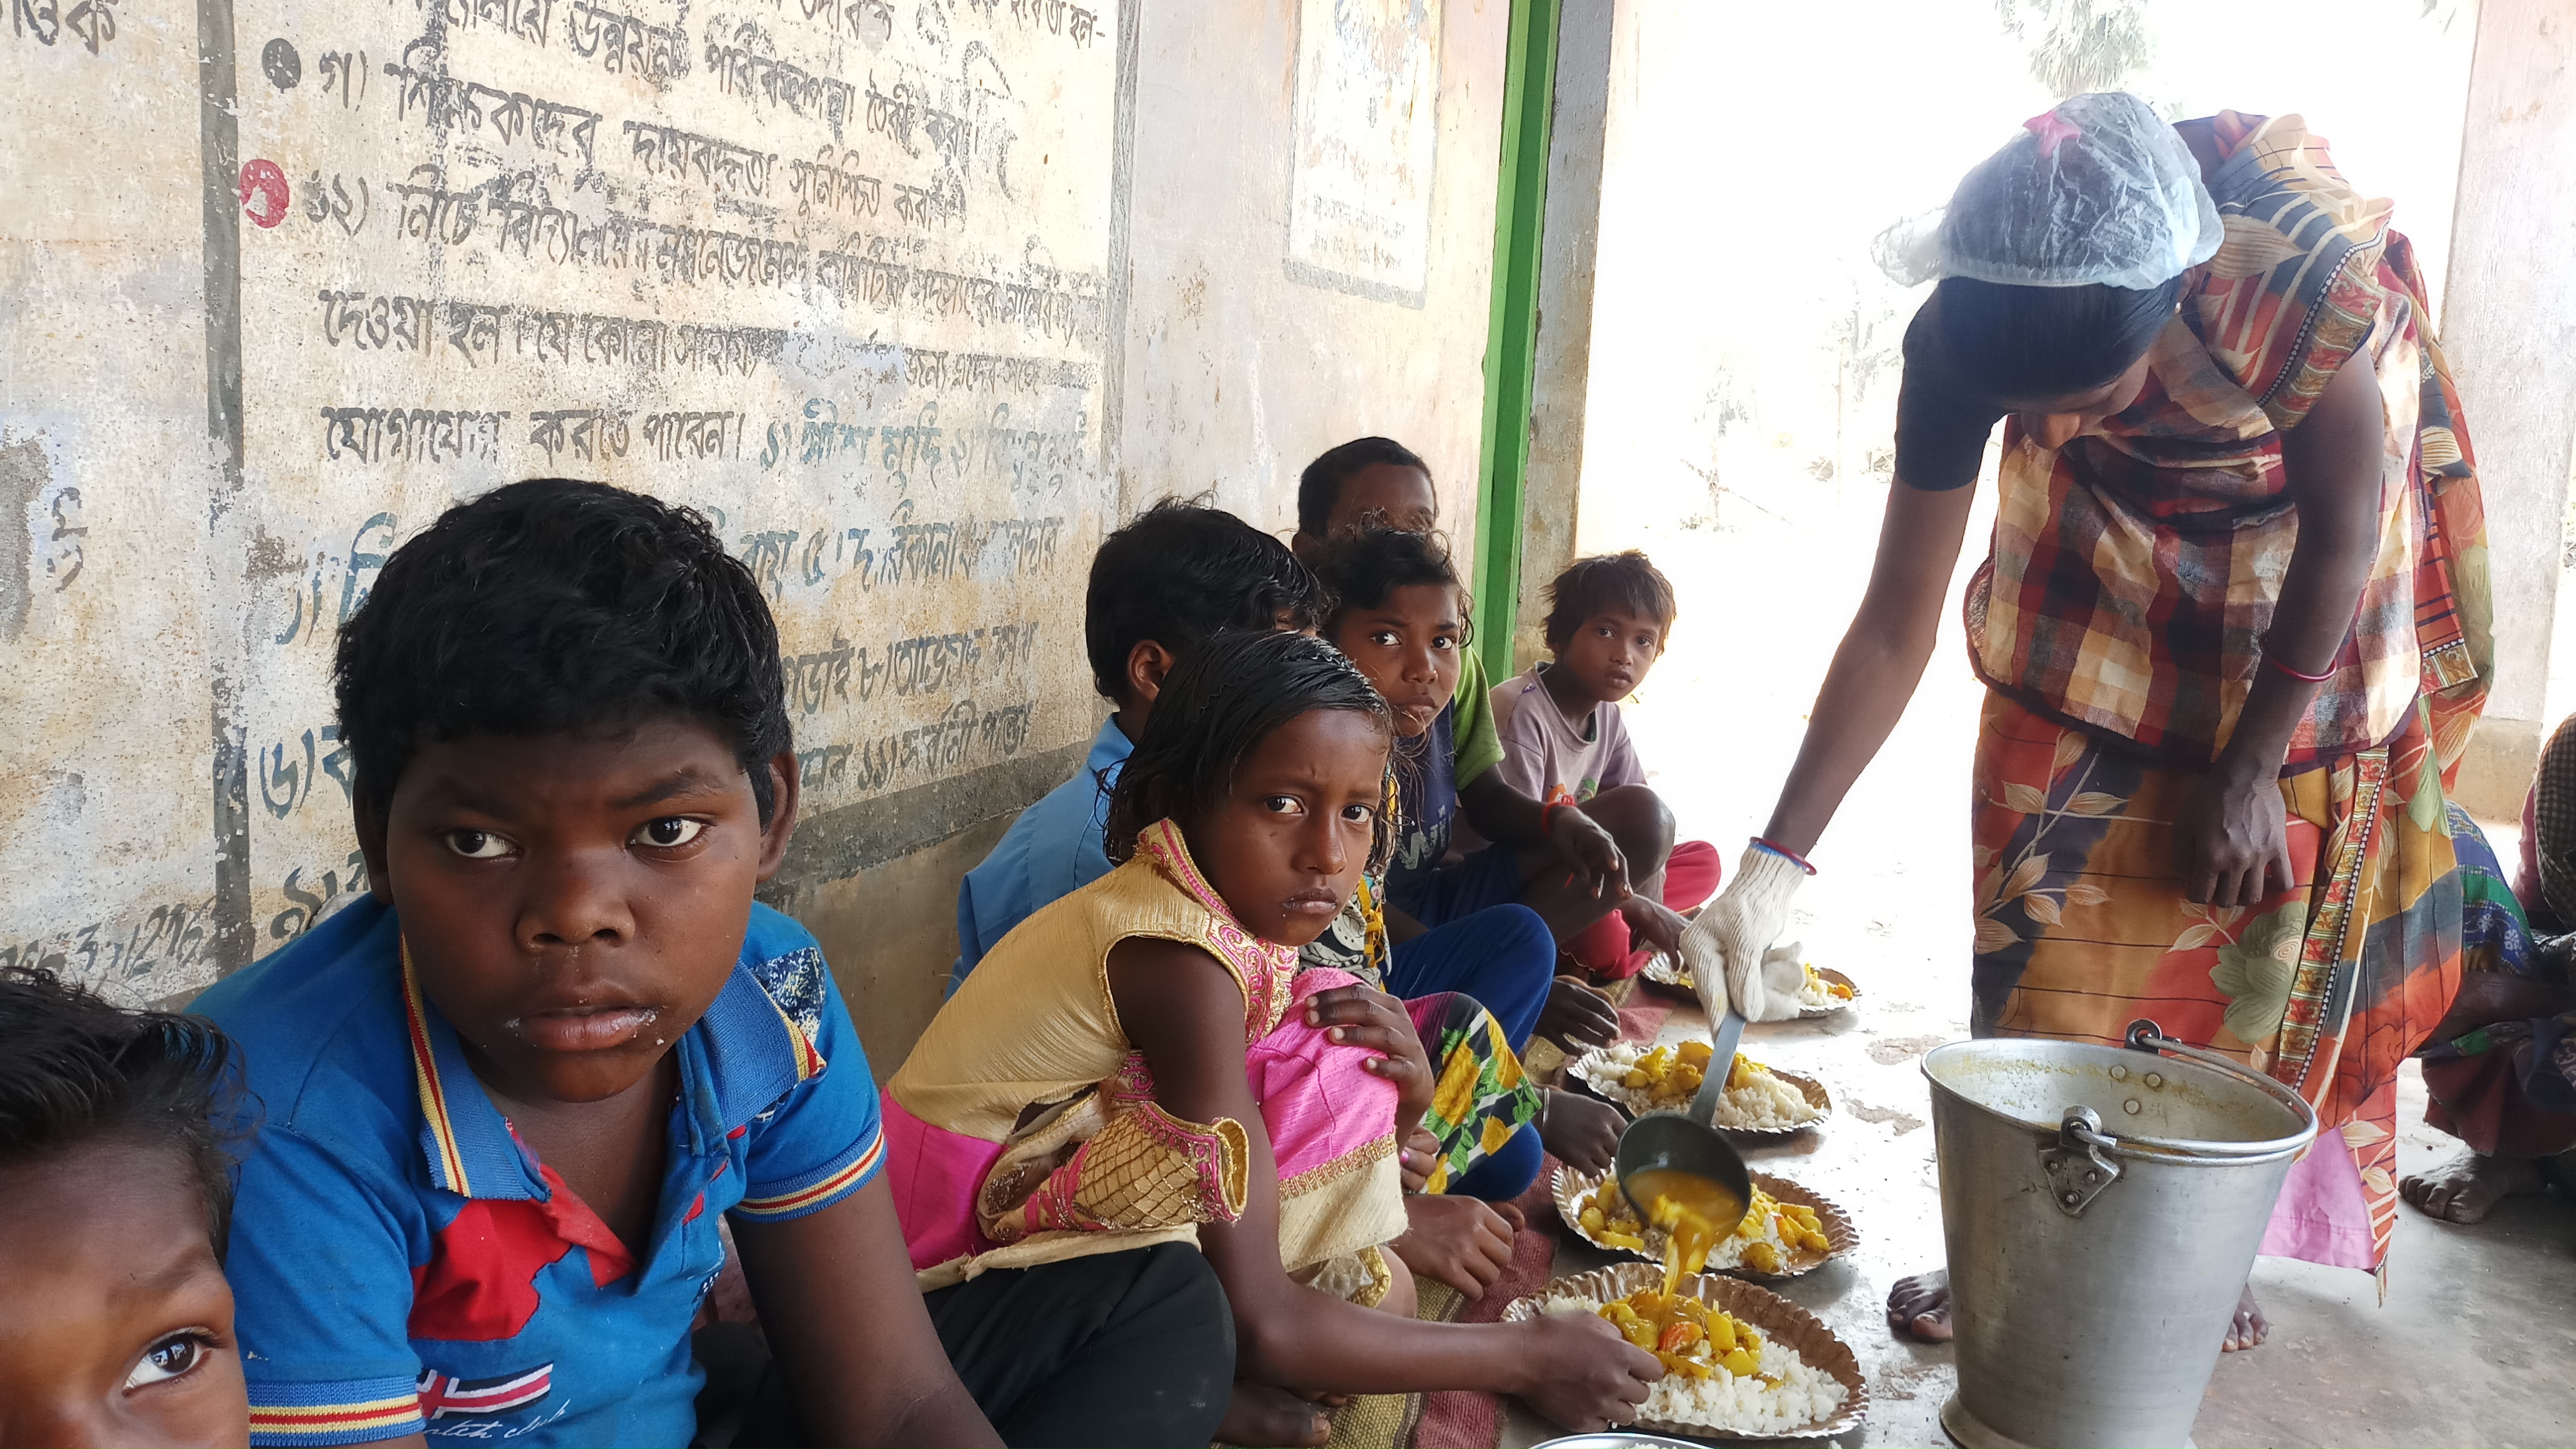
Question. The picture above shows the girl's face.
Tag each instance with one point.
(1289, 842)
(1408, 647)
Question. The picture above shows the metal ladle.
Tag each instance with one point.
(1671, 1141)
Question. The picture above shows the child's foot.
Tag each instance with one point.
(1260, 1415)
(1580, 1132)
(2468, 1187)
(1919, 1307)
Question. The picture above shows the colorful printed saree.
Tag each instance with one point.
(2133, 572)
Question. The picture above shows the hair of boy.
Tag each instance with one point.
(1215, 709)
(1180, 572)
(554, 605)
(75, 1070)
(1320, 486)
(1362, 566)
(1627, 580)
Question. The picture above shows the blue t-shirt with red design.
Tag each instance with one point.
(401, 1263)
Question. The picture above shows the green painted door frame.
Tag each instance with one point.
(1511, 341)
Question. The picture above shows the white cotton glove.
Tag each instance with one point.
(1784, 975)
(1724, 948)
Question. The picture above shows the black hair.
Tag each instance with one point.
(1627, 580)
(1362, 566)
(1216, 708)
(1180, 572)
(1320, 486)
(554, 605)
(2011, 345)
(75, 1070)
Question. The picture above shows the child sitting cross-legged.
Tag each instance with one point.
(1571, 866)
(1401, 617)
(1609, 618)
(1160, 586)
(116, 1127)
(511, 1093)
(1143, 1061)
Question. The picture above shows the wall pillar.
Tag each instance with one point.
(2509, 327)
(1561, 370)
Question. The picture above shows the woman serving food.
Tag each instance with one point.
(2233, 624)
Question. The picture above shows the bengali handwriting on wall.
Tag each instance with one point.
(832, 273)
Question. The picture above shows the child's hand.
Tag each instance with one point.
(1457, 1240)
(1577, 1015)
(1420, 1153)
(1581, 842)
(1375, 1021)
(1580, 1132)
(1577, 1371)
(1652, 922)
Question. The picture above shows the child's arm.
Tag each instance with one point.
(844, 1316)
(1505, 816)
(1185, 1014)
(1400, 927)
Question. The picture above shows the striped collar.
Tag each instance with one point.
(753, 1046)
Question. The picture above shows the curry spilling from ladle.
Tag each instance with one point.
(1681, 1175)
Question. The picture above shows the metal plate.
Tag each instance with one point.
(1570, 1187)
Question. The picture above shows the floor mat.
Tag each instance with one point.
(1460, 1419)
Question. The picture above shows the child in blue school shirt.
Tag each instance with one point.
(511, 1093)
(1177, 573)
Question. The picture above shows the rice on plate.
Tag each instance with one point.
(1645, 1079)
(1806, 1385)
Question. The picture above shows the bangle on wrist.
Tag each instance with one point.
(1785, 853)
(2274, 660)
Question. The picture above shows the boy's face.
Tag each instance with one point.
(1408, 647)
(1382, 493)
(574, 902)
(1611, 652)
(1289, 843)
(116, 1325)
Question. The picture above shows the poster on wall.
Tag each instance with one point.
(832, 273)
(1367, 135)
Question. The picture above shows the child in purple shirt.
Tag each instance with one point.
(1608, 620)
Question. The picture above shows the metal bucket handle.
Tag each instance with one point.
(2076, 1167)
(2145, 1036)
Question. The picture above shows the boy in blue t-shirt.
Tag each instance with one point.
(511, 1093)
(1175, 574)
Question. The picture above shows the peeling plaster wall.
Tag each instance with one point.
(913, 299)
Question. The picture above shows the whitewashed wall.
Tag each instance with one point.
(912, 298)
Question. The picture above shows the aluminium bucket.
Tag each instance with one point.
(2102, 1207)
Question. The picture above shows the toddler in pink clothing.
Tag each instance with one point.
(1608, 620)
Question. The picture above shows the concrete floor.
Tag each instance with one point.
(2473, 1346)
(2476, 1343)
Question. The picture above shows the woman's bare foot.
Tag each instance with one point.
(1260, 1414)
(2468, 1187)
(1919, 1307)
(2250, 1326)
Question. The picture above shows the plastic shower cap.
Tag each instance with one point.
(2098, 190)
